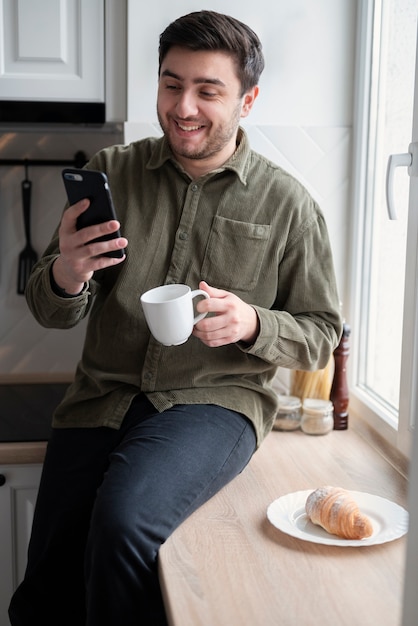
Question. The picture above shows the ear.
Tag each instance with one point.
(248, 101)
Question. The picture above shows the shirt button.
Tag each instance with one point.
(147, 376)
(194, 187)
(183, 236)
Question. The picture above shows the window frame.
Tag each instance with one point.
(398, 433)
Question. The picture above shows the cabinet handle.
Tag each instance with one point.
(2, 480)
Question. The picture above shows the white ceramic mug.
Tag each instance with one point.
(169, 312)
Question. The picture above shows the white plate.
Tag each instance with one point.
(389, 520)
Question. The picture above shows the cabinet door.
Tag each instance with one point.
(17, 503)
(52, 50)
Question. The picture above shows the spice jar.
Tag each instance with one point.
(317, 416)
(288, 414)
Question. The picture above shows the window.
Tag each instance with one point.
(385, 102)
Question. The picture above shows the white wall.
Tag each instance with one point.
(302, 120)
(308, 47)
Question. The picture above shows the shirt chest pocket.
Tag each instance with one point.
(234, 254)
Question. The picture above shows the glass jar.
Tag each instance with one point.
(288, 414)
(317, 416)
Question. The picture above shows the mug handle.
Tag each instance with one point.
(193, 294)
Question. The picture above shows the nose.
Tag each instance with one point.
(186, 105)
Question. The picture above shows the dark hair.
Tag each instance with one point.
(207, 30)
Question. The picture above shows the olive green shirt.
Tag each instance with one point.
(247, 227)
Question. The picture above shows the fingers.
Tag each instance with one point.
(215, 303)
(232, 319)
(81, 256)
(71, 214)
(212, 291)
(85, 235)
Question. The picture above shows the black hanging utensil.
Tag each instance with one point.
(28, 256)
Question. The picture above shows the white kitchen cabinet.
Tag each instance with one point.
(62, 61)
(52, 50)
(17, 502)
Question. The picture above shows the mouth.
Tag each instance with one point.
(188, 128)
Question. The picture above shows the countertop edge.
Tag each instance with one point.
(22, 452)
(16, 453)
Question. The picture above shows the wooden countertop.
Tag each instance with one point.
(227, 565)
(21, 453)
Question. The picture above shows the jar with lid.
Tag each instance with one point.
(317, 416)
(289, 413)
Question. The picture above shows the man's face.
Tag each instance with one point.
(199, 107)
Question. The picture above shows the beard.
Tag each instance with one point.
(210, 145)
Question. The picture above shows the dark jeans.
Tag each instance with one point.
(107, 501)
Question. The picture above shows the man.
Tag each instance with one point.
(147, 433)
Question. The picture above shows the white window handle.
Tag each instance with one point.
(407, 159)
(395, 160)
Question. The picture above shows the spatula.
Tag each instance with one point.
(28, 256)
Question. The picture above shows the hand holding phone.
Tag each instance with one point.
(91, 184)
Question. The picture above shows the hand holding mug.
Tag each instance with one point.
(231, 319)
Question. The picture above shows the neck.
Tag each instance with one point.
(196, 168)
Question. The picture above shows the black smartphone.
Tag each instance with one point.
(93, 185)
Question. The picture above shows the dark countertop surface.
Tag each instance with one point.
(26, 410)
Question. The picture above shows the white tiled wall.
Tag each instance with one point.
(28, 351)
(320, 158)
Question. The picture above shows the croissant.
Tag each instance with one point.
(335, 510)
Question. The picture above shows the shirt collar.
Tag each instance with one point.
(238, 162)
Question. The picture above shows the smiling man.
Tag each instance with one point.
(147, 433)
(200, 104)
